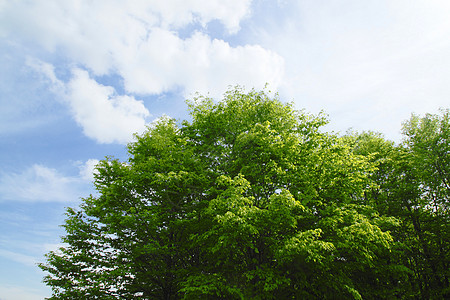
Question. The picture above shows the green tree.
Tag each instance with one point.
(411, 184)
(248, 200)
(427, 151)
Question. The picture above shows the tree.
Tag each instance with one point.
(248, 200)
(427, 151)
(411, 184)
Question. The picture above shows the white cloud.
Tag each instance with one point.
(82, 21)
(104, 115)
(178, 13)
(87, 170)
(144, 47)
(199, 64)
(39, 183)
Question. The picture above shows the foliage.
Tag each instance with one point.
(412, 186)
(252, 200)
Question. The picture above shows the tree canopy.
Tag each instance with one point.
(251, 199)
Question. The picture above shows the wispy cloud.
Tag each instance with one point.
(11, 292)
(18, 257)
(39, 183)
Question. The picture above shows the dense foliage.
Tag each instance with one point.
(251, 200)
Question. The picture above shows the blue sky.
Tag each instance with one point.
(78, 78)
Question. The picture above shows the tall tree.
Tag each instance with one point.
(249, 200)
(427, 148)
(411, 184)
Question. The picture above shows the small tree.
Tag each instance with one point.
(248, 200)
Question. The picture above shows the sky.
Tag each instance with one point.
(78, 78)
